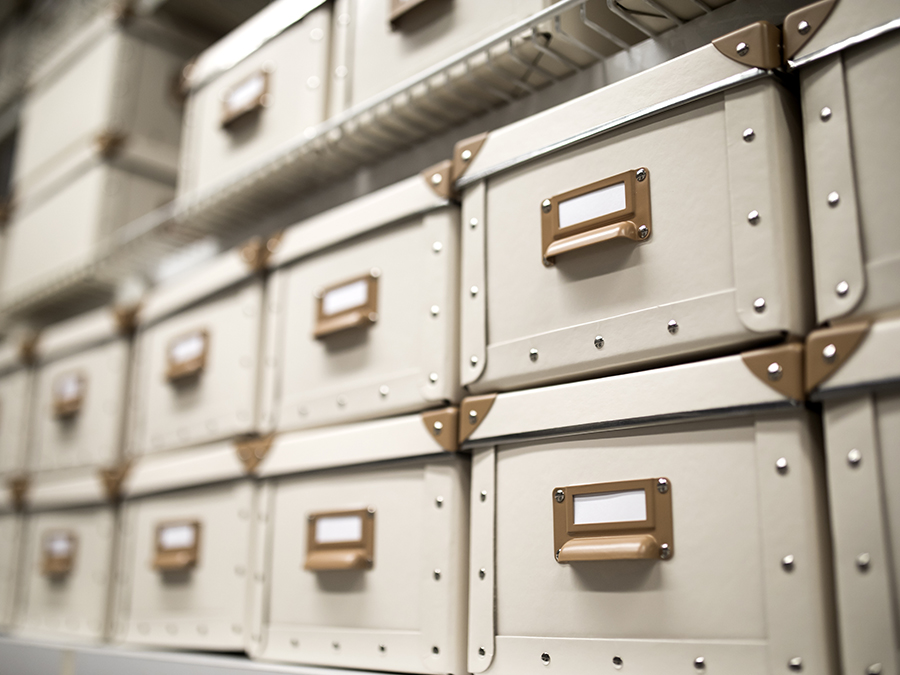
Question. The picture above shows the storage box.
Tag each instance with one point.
(15, 406)
(197, 355)
(846, 53)
(10, 536)
(661, 521)
(367, 546)
(81, 390)
(188, 572)
(653, 220)
(253, 91)
(854, 370)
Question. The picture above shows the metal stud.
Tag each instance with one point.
(796, 664)
(473, 223)
(484, 495)
(439, 501)
(436, 179)
(617, 661)
(643, 232)
(433, 377)
(437, 246)
(473, 416)
(863, 560)
(437, 575)
(854, 457)
(833, 198)
(753, 217)
(481, 651)
(295, 642)
(829, 353)
(781, 465)
(560, 496)
(775, 371)
(473, 361)
(842, 289)
(382, 648)
(341, 401)
(672, 326)
(825, 114)
(473, 291)
(533, 355)
(748, 134)
(435, 310)
(438, 428)
(787, 562)
(384, 390)
(699, 663)
(435, 650)
(482, 573)
(598, 341)
(743, 49)
(546, 206)
(465, 155)
(545, 659)
(336, 645)
(662, 486)
(803, 27)
(759, 305)
(641, 175)
(665, 552)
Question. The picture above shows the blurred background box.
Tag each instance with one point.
(10, 549)
(16, 382)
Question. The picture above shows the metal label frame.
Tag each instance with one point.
(67, 407)
(179, 370)
(358, 316)
(58, 566)
(232, 115)
(341, 555)
(176, 559)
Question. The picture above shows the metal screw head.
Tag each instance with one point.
(437, 246)
(598, 341)
(833, 198)
(825, 114)
(437, 575)
(384, 390)
(473, 416)
(643, 231)
(439, 501)
(781, 465)
(753, 217)
(546, 206)
(473, 361)
(854, 457)
(829, 353)
(473, 223)
(759, 305)
(796, 664)
(559, 495)
(435, 310)
(672, 326)
(665, 552)
(842, 289)
(473, 291)
(787, 562)
(545, 658)
(481, 651)
(775, 371)
(748, 134)
(436, 179)
(438, 427)
(641, 175)
(465, 155)
(743, 49)
(533, 355)
(699, 663)
(433, 377)
(662, 486)
(484, 495)
(482, 573)
(803, 27)
(874, 669)
(863, 560)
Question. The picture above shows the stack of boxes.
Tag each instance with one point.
(553, 403)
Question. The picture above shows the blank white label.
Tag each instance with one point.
(68, 387)
(246, 93)
(58, 545)
(342, 298)
(188, 348)
(334, 529)
(177, 537)
(610, 507)
(596, 204)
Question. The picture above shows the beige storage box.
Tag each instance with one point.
(854, 370)
(657, 219)
(66, 572)
(80, 392)
(847, 53)
(16, 381)
(197, 355)
(667, 521)
(188, 571)
(255, 90)
(10, 536)
(363, 310)
(366, 551)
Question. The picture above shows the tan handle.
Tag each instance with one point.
(349, 304)
(400, 7)
(249, 95)
(633, 547)
(337, 559)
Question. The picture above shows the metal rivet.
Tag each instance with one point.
(854, 457)
(371, 511)
(473, 361)
(437, 246)
(336, 645)
(781, 465)
(481, 651)
(753, 217)
(863, 560)
(825, 114)
(641, 175)
(375, 272)
(874, 669)
(672, 326)
(465, 155)
(748, 134)
(316, 34)
(341, 401)
(842, 288)
(743, 49)
(482, 573)
(437, 575)
(545, 659)
(384, 390)
(617, 661)
(662, 486)
(341, 72)
(473, 223)
(546, 206)
(829, 353)
(560, 496)
(313, 82)
(433, 377)
(775, 371)
(699, 663)
(833, 198)
(435, 650)
(803, 27)
(484, 495)
(759, 304)
(382, 648)
(435, 310)
(473, 417)
(436, 179)
(787, 562)
(439, 501)
(643, 232)
(295, 642)
(598, 341)
(438, 427)
(533, 355)
(473, 291)
(665, 552)
(796, 664)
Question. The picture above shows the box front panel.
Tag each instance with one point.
(66, 572)
(80, 401)
(10, 536)
(14, 409)
(216, 400)
(202, 603)
(401, 356)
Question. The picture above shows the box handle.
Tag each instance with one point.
(68, 394)
(617, 207)
(625, 520)
(340, 540)
(186, 355)
(59, 547)
(249, 95)
(177, 545)
(349, 304)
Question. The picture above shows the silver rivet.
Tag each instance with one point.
(438, 427)
(753, 217)
(382, 648)
(672, 326)
(473, 291)
(439, 501)
(803, 27)
(874, 669)
(336, 645)
(436, 179)
(796, 664)
(560, 496)
(787, 562)
(533, 355)
(863, 560)
(341, 72)
(437, 575)
(545, 659)
(662, 486)
(598, 341)
(481, 651)
(316, 34)
(825, 114)
(546, 206)
(699, 663)
(854, 457)
(433, 377)
(775, 371)
(842, 288)
(341, 401)
(665, 552)
(643, 232)
(473, 361)
(759, 304)
(435, 310)
(437, 246)
(465, 155)
(743, 49)
(833, 198)
(748, 134)
(781, 465)
(829, 353)
(313, 82)
(641, 175)
(484, 495)
(384, 390)
(375, 272)
(295, 642)
(482, 573)
(473, 223)
(473, 417)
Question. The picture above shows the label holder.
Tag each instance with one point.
(360, 315)
(176, 558)
(354, 554)
(57, 564)
(179, 369)
(68, 400)
(233, 111)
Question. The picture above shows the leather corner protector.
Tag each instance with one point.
(126, 318)
(757, 45)
(112, 479)
(779, 367)
(439, 179)
(18, 488)
(109, 142)
(829, 348)
(463, 154)
(472, 412)
(801, 24)
(443, 425)
(253, 450)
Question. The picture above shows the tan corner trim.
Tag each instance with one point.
(109, 143)
(443, 425)
(252, 450)
(18, 486)
(256, 252)
(472, 412)
(812, 17)
(126, 318)
(28, 349)
(757, 45)
(439, 179)
(779, 367)
(113, 478)
(829, 348)
(463, 154)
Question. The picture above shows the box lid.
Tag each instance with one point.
(82, 332)
(64, 489)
